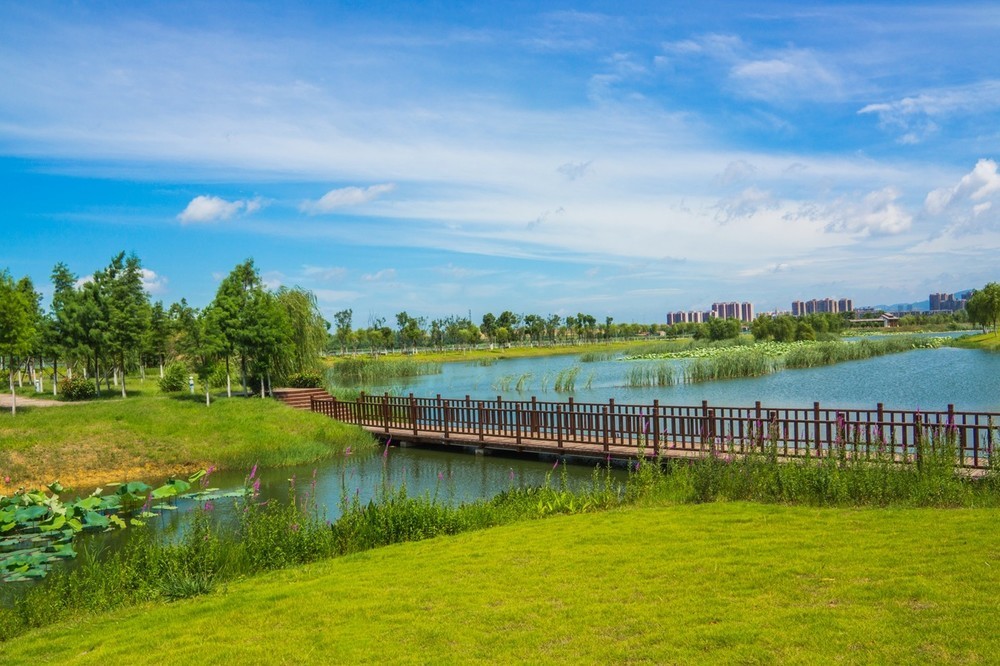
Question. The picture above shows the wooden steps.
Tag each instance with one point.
(300, 398)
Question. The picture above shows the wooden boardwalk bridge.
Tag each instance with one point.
(626, 430)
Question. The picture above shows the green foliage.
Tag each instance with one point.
(77, 388)
(983, 306)
(175, 378)
(304, 380)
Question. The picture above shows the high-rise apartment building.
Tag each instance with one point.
(822, 305)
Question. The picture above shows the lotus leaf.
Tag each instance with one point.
(27, 513)
(94, 519)
(57, 523)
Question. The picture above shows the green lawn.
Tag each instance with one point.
(149, 436)
(989, 341)
(712, 583)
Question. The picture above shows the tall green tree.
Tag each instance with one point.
(307, 329)
(16, 328)
(983, 306)
(343, 322)
(157, 340)
(234, 300)
(201, 342)
(128, 309)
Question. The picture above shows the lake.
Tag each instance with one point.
(922, 378)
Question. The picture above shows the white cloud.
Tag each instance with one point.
(736, 171)
(917, 117)
(792, 74)
(383, 275)
(213, 209)
(878, 213)
(968, 205)
(153, 283)
(345, 197)
(324, 273)
(746, 204)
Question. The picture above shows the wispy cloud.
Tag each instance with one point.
(324, 273)
(345, 197)
(205, 209)
(917, 117)
(384, 275)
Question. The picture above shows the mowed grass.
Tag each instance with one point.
(711, 583)
(149, 436)
(989, 341)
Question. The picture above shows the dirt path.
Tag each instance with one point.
(5, 400)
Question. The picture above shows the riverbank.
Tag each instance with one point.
(708, 583)
(154, 436)
(987, 341)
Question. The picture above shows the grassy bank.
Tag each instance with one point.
(149, 437)
(987, 341)
(715, 583)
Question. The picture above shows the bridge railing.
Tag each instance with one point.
(902, 435)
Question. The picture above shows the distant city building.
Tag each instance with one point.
(731, 310)
(822, 305)
(945, 302)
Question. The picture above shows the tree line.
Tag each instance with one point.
(105, 326)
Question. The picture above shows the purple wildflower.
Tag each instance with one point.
(555, 464)
(256, 487)
(209, 506)
(253, 472)
(347, 451)
(511, 473)
(440, 476)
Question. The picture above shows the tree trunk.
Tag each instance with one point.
(229, 386)
(13, 393)
(123, 375)
(161, 366)
(55, 375)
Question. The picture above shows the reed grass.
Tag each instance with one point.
(729, 366)
(366, 370)
(565, 381)
(645, 376)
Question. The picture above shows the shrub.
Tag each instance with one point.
(77, 388)
(305, 380)
(175, 378)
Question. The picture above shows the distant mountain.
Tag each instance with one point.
(917, 306)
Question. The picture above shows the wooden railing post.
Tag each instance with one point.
(656, 427)
(361, 409)
(446, 414)
(385, 412)
(612, 416)
(534, 415)
(605, 428)
(704, 422)
(517, 423)
(817, 437)
(413, 414)
(482, 416)
(571, 419)
(559, 416)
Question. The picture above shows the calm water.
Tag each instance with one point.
(923, 378)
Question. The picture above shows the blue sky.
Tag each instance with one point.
(620, 159)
